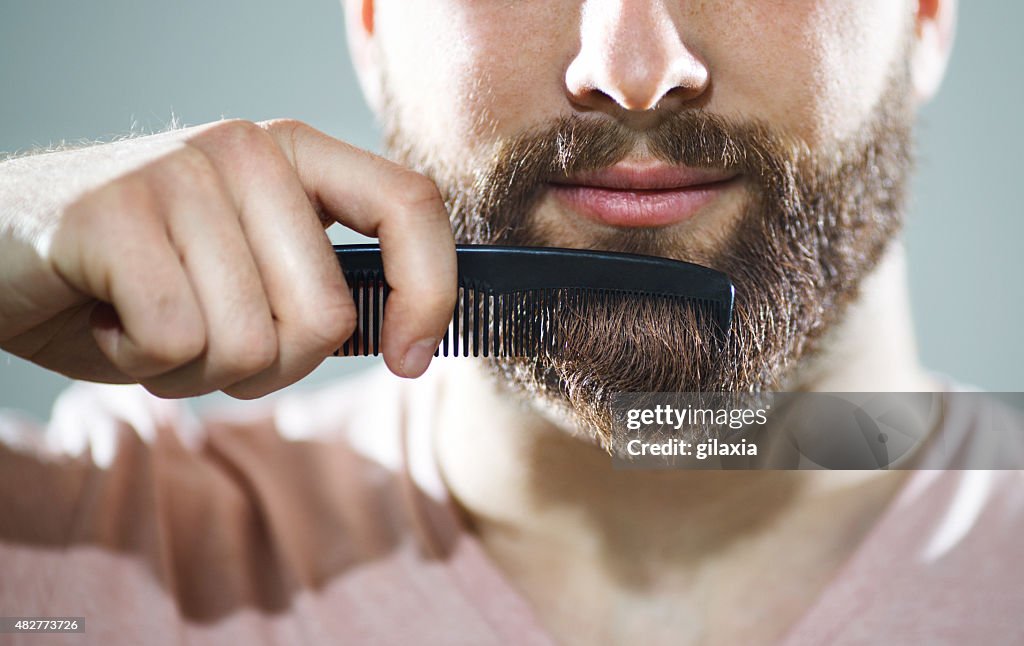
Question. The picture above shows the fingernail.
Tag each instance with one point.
(418, 357)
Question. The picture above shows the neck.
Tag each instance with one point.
(872, 349)
(547, 504)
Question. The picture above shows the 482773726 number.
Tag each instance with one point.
(42, 624)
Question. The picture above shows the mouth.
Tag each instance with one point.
(642, 195)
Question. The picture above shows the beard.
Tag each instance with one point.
(815, 222)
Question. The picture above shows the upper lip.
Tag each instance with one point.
(637, 176)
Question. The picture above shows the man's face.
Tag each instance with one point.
(465, 72)
(764, 138)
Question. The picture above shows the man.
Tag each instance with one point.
(477, 504)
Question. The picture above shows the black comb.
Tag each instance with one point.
(509, 297)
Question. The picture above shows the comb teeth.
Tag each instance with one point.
(517, 324)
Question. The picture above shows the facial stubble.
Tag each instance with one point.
(817, 221)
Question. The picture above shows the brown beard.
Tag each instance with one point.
(816, 223)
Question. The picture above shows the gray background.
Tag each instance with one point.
(72, 70)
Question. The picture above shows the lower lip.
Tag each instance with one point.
(639, 208)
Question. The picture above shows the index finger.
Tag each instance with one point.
(405, 211)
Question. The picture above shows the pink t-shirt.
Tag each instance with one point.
(321, 518)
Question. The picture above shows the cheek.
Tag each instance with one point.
(813, 68)
(464, 72)
(476, 70)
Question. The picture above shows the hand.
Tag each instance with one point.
(197, 260)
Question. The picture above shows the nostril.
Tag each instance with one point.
(680, 96)
(592, 99)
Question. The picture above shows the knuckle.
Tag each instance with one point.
(248, 354)
(133, 195)
(161, 390)
(239, 393)
(287, 134)
(417, 196)
(328, 326)
(174, 347)
(263, 351)
(171, 389)
(189, 166)
(178, 340)
(246, 393)
(284, 126)
(246, 390)
(239, 135)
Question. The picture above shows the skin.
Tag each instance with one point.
(229, 284)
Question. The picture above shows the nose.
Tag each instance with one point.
(632, 56)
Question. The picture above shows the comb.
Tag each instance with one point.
(509, 297)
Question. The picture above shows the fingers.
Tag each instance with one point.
(159, 324)
(201, 220)
(405, 211)
(312, 309)
(219, 275)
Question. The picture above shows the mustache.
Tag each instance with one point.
(695, 138)
(521, 167)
